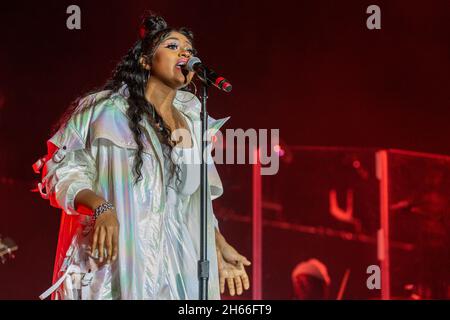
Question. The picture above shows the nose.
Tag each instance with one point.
(185, 53)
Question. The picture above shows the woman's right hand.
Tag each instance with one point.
(106, 236)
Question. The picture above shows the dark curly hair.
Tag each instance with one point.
(153, 30)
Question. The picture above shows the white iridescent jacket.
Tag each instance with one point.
(159, 218)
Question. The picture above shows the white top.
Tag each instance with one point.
(158, 217)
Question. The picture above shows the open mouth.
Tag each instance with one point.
(181, 63)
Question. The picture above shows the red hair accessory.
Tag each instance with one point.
(142, 32)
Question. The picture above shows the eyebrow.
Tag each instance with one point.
(175, 38)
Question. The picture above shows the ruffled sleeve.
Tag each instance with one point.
(68, 168)
(71, 161)
(74, 173)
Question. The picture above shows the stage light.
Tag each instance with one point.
(356, 164)
(277, 148)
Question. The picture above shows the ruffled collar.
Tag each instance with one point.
(185, 101)
(188, 104)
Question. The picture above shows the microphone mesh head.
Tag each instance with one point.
(192, 61)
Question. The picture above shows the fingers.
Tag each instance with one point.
(109, 246)
(237, 280)
(245, 281)
(245, 261)
(115, 240)
(236, 258)
(222, 283)
(105, 239)
(101, 244)
(238, 284)
(94, 241)
(231, 286)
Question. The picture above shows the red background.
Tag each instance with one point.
(310, 68)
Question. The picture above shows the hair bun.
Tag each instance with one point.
(151, 23)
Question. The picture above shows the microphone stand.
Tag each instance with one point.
(203, 263)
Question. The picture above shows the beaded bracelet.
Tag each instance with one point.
(102, 208)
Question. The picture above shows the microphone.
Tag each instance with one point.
(195, 65)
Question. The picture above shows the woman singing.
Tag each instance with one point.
(130, 194)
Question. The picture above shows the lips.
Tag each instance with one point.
(181, 62)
